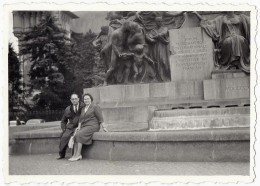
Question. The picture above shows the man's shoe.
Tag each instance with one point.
(60, 157)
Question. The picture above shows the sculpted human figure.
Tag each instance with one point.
(101, 42)
(231, 34)
(159, 49)
(168, 18)
(119, 51)
(135, 36)
(136, 44)
(140, 60)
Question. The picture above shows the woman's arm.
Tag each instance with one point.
(98, 113)
(103, 128)
(78, 128)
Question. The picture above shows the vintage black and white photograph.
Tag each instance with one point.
(108, 92)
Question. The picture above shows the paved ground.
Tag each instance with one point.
(48, 165)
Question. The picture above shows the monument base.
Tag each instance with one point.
(132, 107)
(227, 85)
(210, 145)
(200, 118)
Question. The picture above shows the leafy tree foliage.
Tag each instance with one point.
(14, 78)
(51, 54)
(89, 71)
(59, 65)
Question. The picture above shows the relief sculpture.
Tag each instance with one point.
(138, 47)
(231, 34)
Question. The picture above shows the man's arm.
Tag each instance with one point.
(64, 119)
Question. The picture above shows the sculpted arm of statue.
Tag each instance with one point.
(163, 33)
(149, 59)
(198, 15)
(96, 42)
(137, 14)
(114, 45)
(149, 39)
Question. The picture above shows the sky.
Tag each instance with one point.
(85, 22)
(12, 38)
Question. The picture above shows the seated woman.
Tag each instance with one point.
(89, 122)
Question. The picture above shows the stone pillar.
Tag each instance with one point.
(26, 21)
(38, 18)
(17, 23)
(58, 17)
(31, 19)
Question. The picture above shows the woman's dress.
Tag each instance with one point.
(90, 123)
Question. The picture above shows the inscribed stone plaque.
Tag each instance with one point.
(191, 54)
(227, 88)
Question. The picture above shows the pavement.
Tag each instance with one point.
(46, 164)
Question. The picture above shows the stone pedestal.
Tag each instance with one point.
(140, 93)
(128, 107)
(200, 118)
(227, 88)
(191, 54)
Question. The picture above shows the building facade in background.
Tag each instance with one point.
(23, 21)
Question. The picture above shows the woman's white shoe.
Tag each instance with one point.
(76, 158)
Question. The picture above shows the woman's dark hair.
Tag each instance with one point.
(87, 94)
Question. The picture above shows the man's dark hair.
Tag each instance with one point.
(87, 94)
(74, 94)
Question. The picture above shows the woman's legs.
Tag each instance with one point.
(75, 149)
(78, 151)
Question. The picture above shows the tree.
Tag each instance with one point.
(88, 70)
(14, 78)
(50, 54)
(59, 65)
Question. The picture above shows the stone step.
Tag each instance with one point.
(200, 122)
(187, 103)
(202, 112)
(208, 145)
(217, 74)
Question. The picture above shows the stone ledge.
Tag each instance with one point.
(26, 128)
(202, 112)
(167, 103)
(231, 145)
(40, 133)
(187, 135)
(231, 134)
(200, 122)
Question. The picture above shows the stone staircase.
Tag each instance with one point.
(200, 118)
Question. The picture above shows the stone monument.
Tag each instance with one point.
(185, 89)
(194, 80)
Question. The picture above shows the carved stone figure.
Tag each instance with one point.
(132, 37)
(169, 19)
(104, 47)
(119, 54)
(231, 34)
(142, 65)
(159, 50)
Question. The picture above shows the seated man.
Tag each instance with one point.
(69, 123)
